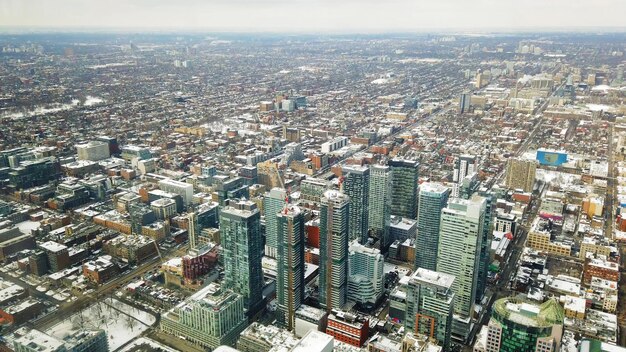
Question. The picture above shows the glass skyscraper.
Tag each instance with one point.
(433, 197)
(404, 184)
(380, 204)
(334, 228)
(460, 238)
(273, 202)
(356, 186)
(242, 251)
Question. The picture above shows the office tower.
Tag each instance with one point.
(404, 184)
(290, 261)
(183, 189)
(430, 303)
(273, 202)
(365, 276)
(460, 236)
(465, 102)
(380, 204)
(333, 278)
(211, 317)
(463, 165)
(433, 197)
(356, 184)
(242, 251)
(520, 174)
(480, 79)
(520, 326)
(93, 150)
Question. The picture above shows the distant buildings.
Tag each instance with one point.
(465, 102)
(183, 189)
(243, 249)
(93, 150)
(520, 174)
(334, 223)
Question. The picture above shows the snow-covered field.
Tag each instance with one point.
(121, 322)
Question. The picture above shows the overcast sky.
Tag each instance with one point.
(314, 15)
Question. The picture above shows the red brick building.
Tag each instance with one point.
(348, 328)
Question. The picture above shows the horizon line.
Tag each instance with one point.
(355, 31)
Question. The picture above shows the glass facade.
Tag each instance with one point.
(433, 197)
(405, 177)
(356, 186)
(242, 251)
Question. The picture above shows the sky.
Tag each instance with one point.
(364, 16)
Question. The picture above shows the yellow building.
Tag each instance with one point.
(540, 241)
(591, 245)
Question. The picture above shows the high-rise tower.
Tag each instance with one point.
(430, 305)
(273, 202)
(433, 197)
(460, 237)
(380, 204)
(355, 184)
(404, 185)
(290, 258)
(334, 228)
(243, 251)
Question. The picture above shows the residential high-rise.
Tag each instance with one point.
(334, 228)
(465, 102)
(356, 186)
(433, 197)
(520, 326)
(242, 251)
(404, 185)
(430, 305)
(460, 237)
(380, 204)
(211, 317)
(365, 277)
(273, 202)
(520, 174)
(290, 258)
